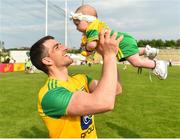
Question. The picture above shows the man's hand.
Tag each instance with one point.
(108, 45)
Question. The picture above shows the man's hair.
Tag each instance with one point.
(87, 9)
(38, 52)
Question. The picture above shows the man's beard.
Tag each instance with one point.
(69, 62)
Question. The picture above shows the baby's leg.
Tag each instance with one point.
(91, 46)
(148, 51)
(136, 61)
(141, 51)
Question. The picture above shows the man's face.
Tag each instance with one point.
(81, 25)
(57, 53)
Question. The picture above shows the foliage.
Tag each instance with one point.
(159, 43)
(74, 50)
(178, 43)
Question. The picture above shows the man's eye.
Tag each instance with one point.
(57, 47)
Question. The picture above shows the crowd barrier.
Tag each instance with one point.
(12, 67)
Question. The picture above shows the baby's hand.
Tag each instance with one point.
(83, 45)
(89, 48)
(86, 54)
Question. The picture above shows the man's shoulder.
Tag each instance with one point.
(83, 78)
(44, 89)
(79, 76)
(51, 85)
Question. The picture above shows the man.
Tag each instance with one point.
(67, 103)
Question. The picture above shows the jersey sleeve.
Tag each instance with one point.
(89, 79)
(92, 35)
(55, 102)
(94, 29)
(92, 32)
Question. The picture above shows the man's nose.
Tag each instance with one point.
(65, 48)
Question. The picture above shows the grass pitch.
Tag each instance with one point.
(145, 109)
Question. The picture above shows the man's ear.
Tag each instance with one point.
(47, 61)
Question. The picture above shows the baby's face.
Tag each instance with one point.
(81, 25)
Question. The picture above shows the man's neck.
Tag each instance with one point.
(59, 74)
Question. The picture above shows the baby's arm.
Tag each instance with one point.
(91, 46)
(88, 48)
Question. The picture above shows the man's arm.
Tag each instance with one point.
(103, 97)
(94, 84)
(119, 86)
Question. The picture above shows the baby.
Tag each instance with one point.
(86, 21)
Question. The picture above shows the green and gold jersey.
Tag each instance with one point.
(127, 47)
(53, 100)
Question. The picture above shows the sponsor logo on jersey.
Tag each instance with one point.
(86, 121)
(88, 131)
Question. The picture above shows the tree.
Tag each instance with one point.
(140, 43)
(178, 43)
(2, 46)
(74, 50)
(170, 43)
(153, 43)
(159, 43)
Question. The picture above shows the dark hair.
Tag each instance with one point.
(38, 52)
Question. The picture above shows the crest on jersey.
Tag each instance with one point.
(86, 121)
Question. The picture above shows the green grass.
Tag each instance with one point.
(145, 109)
